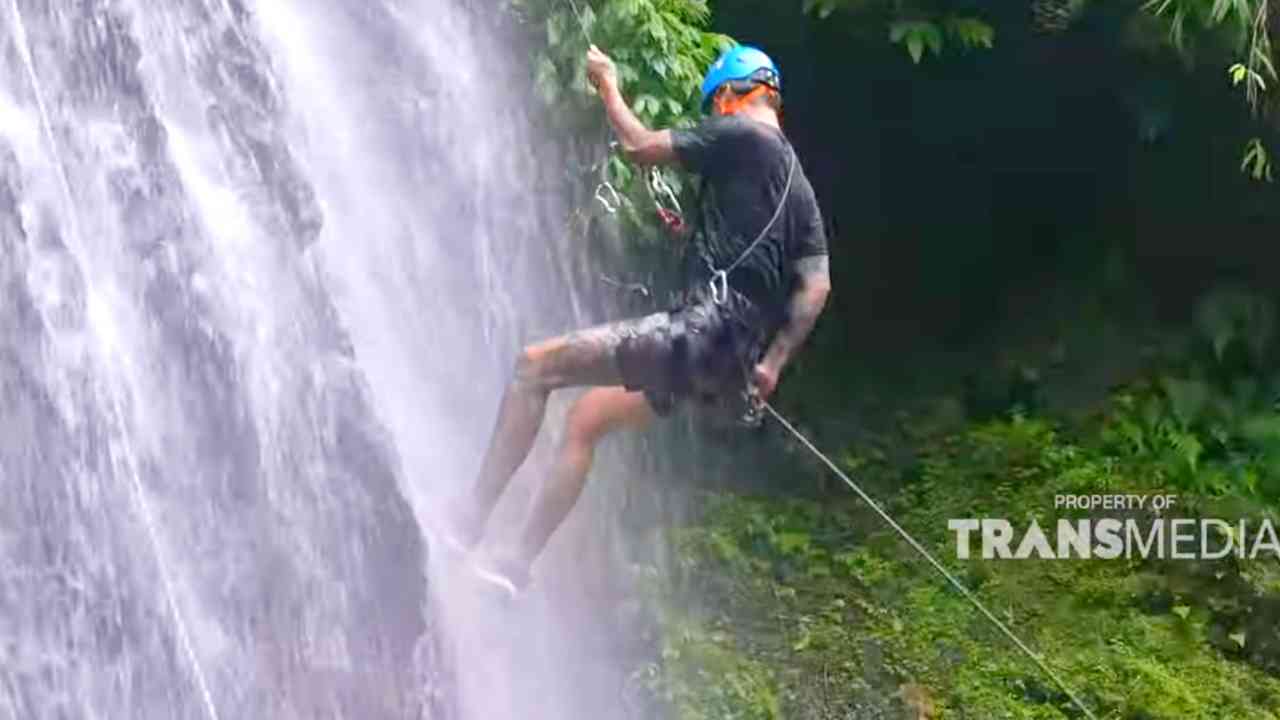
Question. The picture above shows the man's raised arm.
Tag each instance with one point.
(642, 145)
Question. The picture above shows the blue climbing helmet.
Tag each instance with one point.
(741, 62)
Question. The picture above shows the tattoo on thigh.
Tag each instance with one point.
(583, 357)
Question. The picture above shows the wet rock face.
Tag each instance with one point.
(201, 512)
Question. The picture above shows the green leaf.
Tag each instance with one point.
(1238, 638)
(804, 642)
(915, 46)
(916, 35)
(971, 32)
(626, 74)
(790, 543)
(657, 30)
(1182, 611)
(1262, 57)
(1187, 398)
(1239, 73)
(1256, 161)
(933, 37)
(1220, 10)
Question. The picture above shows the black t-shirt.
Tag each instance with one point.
(744, 166)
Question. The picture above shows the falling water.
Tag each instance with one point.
(263, 268)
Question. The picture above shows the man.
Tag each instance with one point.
(758, 280)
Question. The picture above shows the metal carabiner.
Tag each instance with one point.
(752, 407)
(660, 191)
(610, 205)
(719, 284)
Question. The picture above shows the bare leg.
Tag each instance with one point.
(596, 414)
(585, 357)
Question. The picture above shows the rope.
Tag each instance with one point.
(1075, 700)
(722, 276)
(582, 22)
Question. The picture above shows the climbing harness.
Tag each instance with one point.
(968, 594)
(756, 406)
(719, 282)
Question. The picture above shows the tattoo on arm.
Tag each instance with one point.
(807, 302)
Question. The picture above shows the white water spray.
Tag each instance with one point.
(198, 494)
(261, 281)
(138, 493)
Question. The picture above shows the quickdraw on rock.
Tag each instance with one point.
(673, 222)
(662, 192)
(605, 193)
(666, 203)
(608, 197)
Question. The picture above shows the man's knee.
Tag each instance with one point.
(532, 368)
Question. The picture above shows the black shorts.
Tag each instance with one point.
(699, 351)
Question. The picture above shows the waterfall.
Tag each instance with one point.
(264, 267)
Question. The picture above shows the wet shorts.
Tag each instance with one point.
(699, 351)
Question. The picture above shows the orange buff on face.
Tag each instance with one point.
(734, 105)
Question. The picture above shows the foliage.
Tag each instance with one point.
(915, 35)
(915, 26)
(1235, 33)
(660, 46)
(852, 624)
(844, 620)
(1212, 425)
(964, 32)
(661, 49)
(702, 676)
(1256, 162)
(1247, 25)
